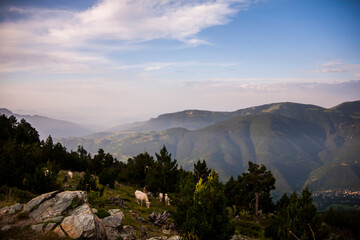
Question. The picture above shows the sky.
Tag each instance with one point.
(106, 62)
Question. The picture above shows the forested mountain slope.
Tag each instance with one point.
(301, 144)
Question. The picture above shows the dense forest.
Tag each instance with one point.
(205, 207)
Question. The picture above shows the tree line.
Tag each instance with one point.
(201, 199)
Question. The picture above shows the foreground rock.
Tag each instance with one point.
(83, 224)
(69, 215)
(159, 218)
(11, 210)
(114, 224)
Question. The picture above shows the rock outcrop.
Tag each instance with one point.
(82, 223)
(69, 214)
(11, 210)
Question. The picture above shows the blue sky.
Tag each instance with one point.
(131, 60)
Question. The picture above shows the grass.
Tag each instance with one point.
(132, 212)
(10, 196)
(247, 226)
(8, 201)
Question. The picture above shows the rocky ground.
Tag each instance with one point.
(69, 215)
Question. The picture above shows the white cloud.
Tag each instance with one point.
(153, 66)
(41, 32)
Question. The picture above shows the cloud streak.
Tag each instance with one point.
(113, 24)
(338, 66)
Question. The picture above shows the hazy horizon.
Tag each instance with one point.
(119, 121)
(107, 62)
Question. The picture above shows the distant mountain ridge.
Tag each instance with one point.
(301, 144)
(48, 126)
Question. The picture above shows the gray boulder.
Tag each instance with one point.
(4, 210)
(175, 238)
(59, 232)
(115, 221)
(54, 219)
(37, 227)
(17, 207)
(58, 205)
(128, 232)
(82, 223)
(114, 212)
(49, 227)
(33, 203)
(11, 210)
(113, 224)
(6, 227)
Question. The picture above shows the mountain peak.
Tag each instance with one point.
(6, 111)
(348, 107)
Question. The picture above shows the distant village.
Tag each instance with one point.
(337, 193)
(338, 199)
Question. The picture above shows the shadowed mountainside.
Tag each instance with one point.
(301, 144)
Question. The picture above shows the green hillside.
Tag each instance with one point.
(301, 144)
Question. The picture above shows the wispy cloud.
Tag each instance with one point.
(273, 85)
(111, 24)
(153, 66)
(338, 66)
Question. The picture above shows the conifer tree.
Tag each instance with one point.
(258, 181)
(201, 170)
(185, 197)
(162, 176)
(207, 218)
(296, 218)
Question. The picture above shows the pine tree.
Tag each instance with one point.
(137, 168)
(162, 176)
(184, 198)
(201, 170)
(258, 181)
(208, 217)
(296, 218)
(235, 194)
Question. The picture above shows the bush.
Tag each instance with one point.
(247, 228)
(96, 200)
(189, 236)
(39, 183)
(107, 176)
(102, 213)
(87, 183)
(22, 196)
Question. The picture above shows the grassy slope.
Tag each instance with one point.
(133, 210)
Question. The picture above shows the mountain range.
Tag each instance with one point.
(301, 144)
(49, 126)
